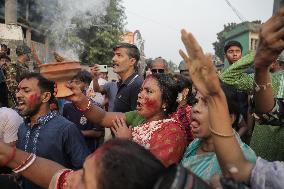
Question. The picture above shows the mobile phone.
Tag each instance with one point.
(102, 68)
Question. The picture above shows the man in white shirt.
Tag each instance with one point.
(10, 121)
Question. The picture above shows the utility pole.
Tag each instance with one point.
(11, 11)
(277, 4)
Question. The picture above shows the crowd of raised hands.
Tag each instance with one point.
(206, 81)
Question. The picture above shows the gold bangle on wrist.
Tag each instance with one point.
(87, 108)
(259, 87)
(221, 134)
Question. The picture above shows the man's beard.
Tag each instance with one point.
(31, 111)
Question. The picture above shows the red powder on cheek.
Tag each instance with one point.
(33, 99)
(151, 104)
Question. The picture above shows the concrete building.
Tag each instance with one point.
(19, 16)
(136, 39)
(247, 34)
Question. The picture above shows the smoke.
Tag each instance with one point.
(64, 17)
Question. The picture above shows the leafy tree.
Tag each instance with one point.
(102, 35)
(86, 34)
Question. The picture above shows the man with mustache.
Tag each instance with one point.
(125, 60)
(44, 132)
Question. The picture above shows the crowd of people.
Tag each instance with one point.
(195, 129)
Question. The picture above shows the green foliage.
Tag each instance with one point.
(70, 29)
(102, 35)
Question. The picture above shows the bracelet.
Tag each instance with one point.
(220, 134)
(11, 157)
(27, 165)
(23, 163)
(62, 181)
(258, 87)
(87, 108)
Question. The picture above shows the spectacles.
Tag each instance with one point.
(158, 71)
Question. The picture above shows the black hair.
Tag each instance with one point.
(178, 177)
(84, 76)
(132, 50)
(237, 102)
(161, 59)
(232, 43)
(44, 84)
(7, 49)
(182, 83)
(169, 90)
(5, 56)
(127, 165)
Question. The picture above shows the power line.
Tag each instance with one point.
(239, 15)
(153, 21)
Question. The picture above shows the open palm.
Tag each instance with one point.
(201, 68)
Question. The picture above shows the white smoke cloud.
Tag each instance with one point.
(62, 26)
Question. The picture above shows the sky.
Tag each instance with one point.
(160, 21)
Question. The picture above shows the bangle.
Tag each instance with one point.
(85, 109)
(11, 157)
(220, 134)
(23, 163)
(258, 87)
(62, 180)
(26, 165)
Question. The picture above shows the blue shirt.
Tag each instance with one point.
(127, 93)
(110, 89)
(53, 137)
(77, 117)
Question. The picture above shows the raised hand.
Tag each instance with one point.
(201, 68)
(95, 70)
(77, 97)
(120, 129)
(271, 40)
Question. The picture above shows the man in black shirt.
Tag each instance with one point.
(125, 60)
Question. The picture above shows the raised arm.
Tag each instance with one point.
(95, 73)
(93, 113)
(40, 172)
(205, 79)
(236, 76)
(270, 46)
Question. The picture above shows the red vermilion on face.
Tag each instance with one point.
(34, 99)
(149, 101)
(151, 104)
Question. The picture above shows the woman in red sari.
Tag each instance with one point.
(150, 125)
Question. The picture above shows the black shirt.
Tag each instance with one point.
(127, 94)
(77, 117)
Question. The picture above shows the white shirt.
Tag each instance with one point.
(96, 96)
(10, 121)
